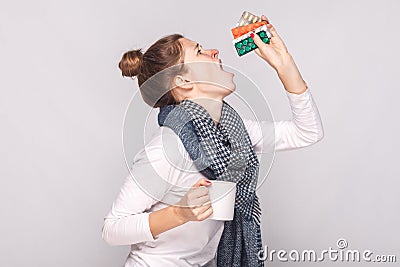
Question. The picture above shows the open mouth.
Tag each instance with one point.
(220, 64)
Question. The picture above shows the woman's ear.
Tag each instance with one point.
(180, 81)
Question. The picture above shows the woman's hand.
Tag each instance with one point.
(195, 205)
(278, 57)
(275, 53)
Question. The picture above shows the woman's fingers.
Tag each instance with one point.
(205, 214)
(272, 30)
(258, 41)
(203, 200)
(196, 192)
(264, 50)
(269, 26)
(199, 212)
(197, 200)
(196, 205)
(201, 182)
(258, 52)
(263, 17)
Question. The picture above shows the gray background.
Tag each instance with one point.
(62, 103)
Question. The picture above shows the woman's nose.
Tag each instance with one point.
(213, 53)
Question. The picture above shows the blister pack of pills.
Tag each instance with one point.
(247, 24)
(247, 18)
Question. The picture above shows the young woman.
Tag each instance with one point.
(161, 233)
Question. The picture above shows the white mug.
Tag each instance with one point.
(222, 197)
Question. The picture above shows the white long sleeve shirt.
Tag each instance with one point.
(163, 167)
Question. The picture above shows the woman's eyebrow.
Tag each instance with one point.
(197, 46)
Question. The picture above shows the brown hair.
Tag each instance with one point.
(160, 56)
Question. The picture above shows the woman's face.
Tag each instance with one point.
(205, 71)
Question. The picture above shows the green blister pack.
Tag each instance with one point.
(246, 45)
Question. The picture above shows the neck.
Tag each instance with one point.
(213, 107)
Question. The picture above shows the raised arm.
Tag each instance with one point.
(305, 127)
(278, 57)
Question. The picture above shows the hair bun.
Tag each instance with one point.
(130, 63)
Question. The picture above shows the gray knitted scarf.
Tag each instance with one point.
(223, 152)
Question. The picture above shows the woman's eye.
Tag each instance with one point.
(199, 50)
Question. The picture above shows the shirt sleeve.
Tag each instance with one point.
(304, 129)
(127, 222)
(152, 175)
